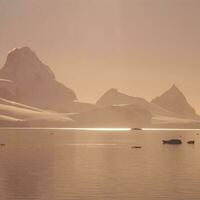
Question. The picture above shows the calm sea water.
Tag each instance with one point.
(65, 165)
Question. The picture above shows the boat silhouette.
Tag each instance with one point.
(172, 141)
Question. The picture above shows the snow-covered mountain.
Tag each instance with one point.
(114, 97)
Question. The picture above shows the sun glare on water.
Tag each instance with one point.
(100, 129)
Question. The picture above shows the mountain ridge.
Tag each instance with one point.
(30, 93)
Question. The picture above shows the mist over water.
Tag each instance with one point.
(63, 164)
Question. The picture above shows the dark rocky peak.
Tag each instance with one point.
(24, 62)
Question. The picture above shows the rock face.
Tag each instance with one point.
(174, 101)
(7, 90)
(35, 83)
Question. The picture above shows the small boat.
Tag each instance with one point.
(191, 142)
(136, 129)
(2, 144)
(136, 147)
(172, 141)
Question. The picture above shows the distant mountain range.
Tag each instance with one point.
(30, 95)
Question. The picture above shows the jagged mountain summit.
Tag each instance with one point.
(33, 82)
(175, 101)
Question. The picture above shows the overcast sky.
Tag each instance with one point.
(140, 47)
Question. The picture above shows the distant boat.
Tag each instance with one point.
(191, 142)
(136, 129)
(136, 147)
(172, 141)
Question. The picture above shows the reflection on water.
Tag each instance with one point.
(39, 165)
(21, 169)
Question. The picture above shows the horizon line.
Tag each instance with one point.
(112, 129)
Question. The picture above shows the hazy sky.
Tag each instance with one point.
(140, 47)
